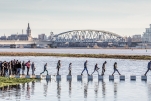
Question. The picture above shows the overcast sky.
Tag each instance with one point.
(123, 17)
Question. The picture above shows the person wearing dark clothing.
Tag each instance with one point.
(45, 69)
(70, 67)
(18, 68)
(23, 68)
(115, 69)
(96, 68)
(28, 67)
(85, 68)
(58, 66)
(5, 67)
(148, 67)
(103, 68)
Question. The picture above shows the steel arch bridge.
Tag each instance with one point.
(88, 36)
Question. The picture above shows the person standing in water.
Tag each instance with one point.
(103, 68)
(148, 67)
(58, 66)
(115, 68)
(28, 67)
(85, 68)
(45, 69)
(33, 68)
(96, 68)
(70, 67)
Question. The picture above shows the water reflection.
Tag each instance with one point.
(58, 90)
(115, 90)
(28, 92)
(103, 89)
(70, 88)
(149, 92)
(96, 87)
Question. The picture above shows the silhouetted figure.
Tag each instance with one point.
(85, 68)
(148, 67)
(45, 69)
(115, 69)
(70, 67)
(96, 68)
(28, 67)
(103, 68)
(58, 66)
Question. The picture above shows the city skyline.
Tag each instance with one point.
(125, 18)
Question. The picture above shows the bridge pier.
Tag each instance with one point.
(33, 45)
(13, 46)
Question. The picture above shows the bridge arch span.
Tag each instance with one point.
(88, 36)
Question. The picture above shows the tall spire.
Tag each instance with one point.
(28, 26)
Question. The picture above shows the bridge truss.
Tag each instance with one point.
(88, 36)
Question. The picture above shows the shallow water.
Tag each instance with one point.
(78, 90)
(82, 90)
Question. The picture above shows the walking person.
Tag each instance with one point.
(33, 68)
(148, 67)
(103, 68)
(85, 68)
(28, 67)
(96, 68)
(45, 69)
(115, 69)
(58, 66)
(23, 67)
(70, 67)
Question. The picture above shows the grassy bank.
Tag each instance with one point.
(138, 57)
(4, 81)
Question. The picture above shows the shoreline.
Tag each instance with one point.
(137, 57)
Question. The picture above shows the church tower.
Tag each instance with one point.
(28, 31)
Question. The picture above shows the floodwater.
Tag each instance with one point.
(84, 51)
(81, 90)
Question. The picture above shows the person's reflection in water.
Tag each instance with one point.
(23, 88)
(115, 90)
(18, 94)
(70, 88)
(46, 88)
(96, 89)
(86, 89)
(32, 87)
(149, 92)
(103, 89)
(28, 92)
(58, 90)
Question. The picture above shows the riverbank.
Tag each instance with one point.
(4, 81)
(137, 57)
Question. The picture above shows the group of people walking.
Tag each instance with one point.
(14, 67)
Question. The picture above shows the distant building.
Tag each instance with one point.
(136, 38)
(22, 36)
(147, 35)
(42, 37)
(129, 41)
(3, 38)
